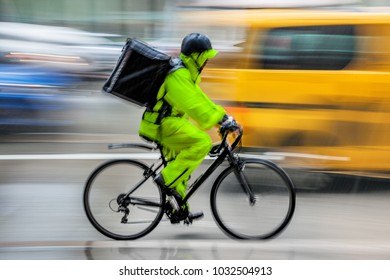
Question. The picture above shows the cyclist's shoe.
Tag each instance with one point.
(183, 215)
(176, 216)
(193, 216)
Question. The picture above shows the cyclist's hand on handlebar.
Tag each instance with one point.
(228, 124)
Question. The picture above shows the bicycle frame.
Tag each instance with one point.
(227, 152)
(223, 151)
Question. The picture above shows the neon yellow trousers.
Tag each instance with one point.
(185, 146)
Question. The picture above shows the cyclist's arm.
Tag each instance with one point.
(184, 94)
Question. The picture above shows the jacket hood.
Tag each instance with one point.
(195, 61)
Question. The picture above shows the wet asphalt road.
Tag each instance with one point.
(42, 216)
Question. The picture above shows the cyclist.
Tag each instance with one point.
(185, 143)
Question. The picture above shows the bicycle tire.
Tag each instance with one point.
(103, 187)
(272, 210)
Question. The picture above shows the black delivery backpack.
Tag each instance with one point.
(139, 73)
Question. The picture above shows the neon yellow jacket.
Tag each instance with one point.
(187, 100)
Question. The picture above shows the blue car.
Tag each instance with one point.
(30, 100)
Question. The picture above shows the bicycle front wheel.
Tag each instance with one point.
(259, 210)
(116, 207)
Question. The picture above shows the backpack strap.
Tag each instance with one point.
(166, 109)
(176, 63)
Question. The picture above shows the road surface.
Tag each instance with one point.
(42, 217)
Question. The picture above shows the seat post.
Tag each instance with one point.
(163, 159)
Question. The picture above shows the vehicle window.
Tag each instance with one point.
(308, 48)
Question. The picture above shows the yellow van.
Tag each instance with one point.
(312, 86)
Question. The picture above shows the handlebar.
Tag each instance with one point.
(217, 149)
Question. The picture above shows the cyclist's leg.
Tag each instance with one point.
(187, 145)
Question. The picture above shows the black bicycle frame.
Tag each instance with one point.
(224, 151)
(151, 171)
(217, 162)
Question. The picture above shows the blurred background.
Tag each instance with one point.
(309, 82)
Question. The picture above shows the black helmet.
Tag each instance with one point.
(195, 43)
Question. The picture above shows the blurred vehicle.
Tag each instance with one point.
(42, 74)
(312, 85)
(31, 101)
(256, 4)
(70, 50)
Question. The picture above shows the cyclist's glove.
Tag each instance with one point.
(228, 123)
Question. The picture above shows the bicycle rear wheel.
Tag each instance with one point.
(265, 217)
(111, 212)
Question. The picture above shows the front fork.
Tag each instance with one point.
(239, 166)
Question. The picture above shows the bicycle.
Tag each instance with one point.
(252, 198)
